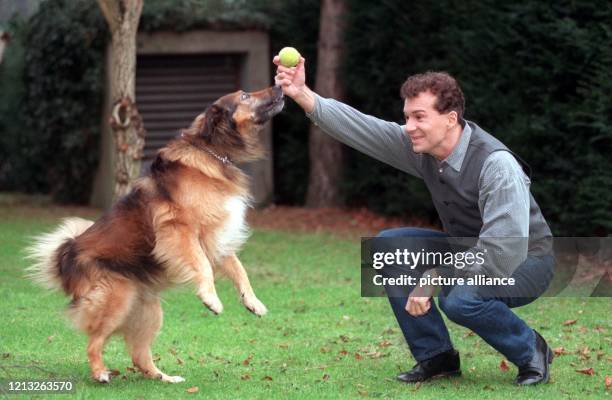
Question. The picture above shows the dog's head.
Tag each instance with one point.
(230, 126)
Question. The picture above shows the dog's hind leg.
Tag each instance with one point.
(100, 314)
(188, 262)
(140, 331)
(232, 267)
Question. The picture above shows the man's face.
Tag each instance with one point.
(425, 126)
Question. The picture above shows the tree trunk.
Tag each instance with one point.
(4, 39)
(326, 154)
(123, 17)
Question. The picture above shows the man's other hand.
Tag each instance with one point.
(419, 301)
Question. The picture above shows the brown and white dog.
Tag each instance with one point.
(179, 224)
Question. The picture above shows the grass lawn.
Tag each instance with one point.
(320, 339)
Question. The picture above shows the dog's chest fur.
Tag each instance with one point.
(234, 231)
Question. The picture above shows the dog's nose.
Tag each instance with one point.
(277, 91)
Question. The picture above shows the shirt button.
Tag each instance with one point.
(440, 170)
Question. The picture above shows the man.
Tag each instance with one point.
(479, 190)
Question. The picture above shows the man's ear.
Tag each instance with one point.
(453, 118)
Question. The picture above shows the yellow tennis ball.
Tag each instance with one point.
(289, 57)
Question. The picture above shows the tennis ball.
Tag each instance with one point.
(289, 57)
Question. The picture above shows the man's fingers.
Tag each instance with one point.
(418, 306)
(276, 60)
(412, 308)
(284, 75)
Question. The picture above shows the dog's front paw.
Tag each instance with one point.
(255, 306)
(212, 302)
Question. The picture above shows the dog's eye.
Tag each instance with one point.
(244, 96)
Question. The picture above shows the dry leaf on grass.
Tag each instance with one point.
(559, 351)
(193, 389)
(586, 371)
(570, 322)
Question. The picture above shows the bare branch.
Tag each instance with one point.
(112, 13)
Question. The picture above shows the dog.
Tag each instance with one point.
(181, 223)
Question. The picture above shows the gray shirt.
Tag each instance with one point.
(503, 198)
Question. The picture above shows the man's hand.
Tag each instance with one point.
(419, 301)
(293, 82)
(291, 79)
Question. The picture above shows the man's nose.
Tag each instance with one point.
(410, 126)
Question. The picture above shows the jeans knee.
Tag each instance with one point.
(457, 309)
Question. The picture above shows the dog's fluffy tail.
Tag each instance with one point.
(43, 252)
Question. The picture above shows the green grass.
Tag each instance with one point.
(304, 348)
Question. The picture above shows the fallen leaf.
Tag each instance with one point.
(172, 351)
(503, 365)
(384, 343)
(343, 352)
(608, 382)
(253, 341)
(245, 377)
(131, 369)
(570, 322)
(326, 377)
(358, 356)
(609, 358)
(248, 360)
(283, 345)
(179, 361)
(559, 351)
(470, 333)
(344, 338)
(115, 372)
(324, 350)
(50, 338)
(472, 369)
(193, 389)
(267, 378)
(586, 371)
(584, 353)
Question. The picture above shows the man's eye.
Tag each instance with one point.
(244, 96)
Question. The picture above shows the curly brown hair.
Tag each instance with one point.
(442, 85)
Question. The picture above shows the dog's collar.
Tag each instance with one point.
(225, 160)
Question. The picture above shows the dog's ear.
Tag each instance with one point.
(219, 128)
(214, 118)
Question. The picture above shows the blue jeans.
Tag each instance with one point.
(489, 317)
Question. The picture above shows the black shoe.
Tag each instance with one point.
(444, 364)
(537, 370)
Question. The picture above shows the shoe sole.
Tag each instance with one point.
(442, 375)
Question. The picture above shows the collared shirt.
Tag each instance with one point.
(503, 198)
